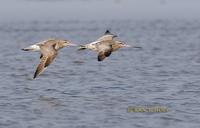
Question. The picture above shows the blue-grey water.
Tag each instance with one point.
(77, 91)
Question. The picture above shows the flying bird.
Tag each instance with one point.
(104, 45)
(49, 50)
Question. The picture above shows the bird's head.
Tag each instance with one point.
(122, 44)
(67, 43)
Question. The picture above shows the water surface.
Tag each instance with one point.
(77, 91)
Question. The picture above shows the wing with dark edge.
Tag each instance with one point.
(107, 36)
(40, 67)
(107, 32)
(103, 55)
(46, 58)
(105, 51)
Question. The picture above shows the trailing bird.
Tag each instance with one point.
(49, 50)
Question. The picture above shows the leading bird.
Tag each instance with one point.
(49, 50)
(105, 45)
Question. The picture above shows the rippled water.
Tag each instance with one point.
(76, 91)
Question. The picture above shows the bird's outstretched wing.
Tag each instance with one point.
(105, 51)
(47, 56)
(107, 36)
(40, 67)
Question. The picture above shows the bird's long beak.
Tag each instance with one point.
(72, 44)
(126, 45)
(129, 46)
(137, 47)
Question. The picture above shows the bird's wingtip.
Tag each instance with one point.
(107, 32)
(34, 76)
(139, 47)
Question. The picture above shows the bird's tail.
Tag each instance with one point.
(32, 48)
(82, 47)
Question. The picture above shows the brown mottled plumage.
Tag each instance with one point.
(104, 46)
(49, 51)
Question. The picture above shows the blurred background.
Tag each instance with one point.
(98, 9)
